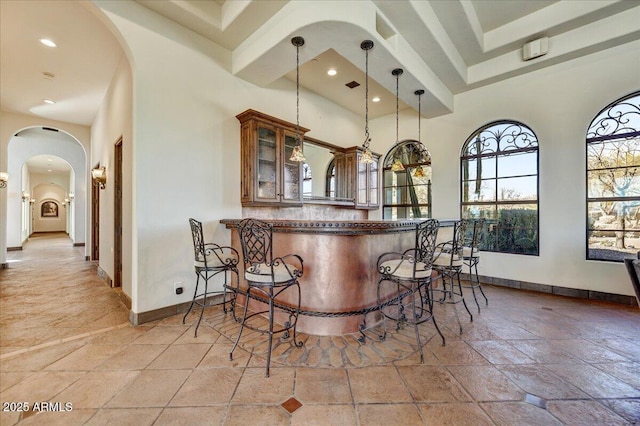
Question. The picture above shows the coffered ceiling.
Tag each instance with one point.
(444, 47)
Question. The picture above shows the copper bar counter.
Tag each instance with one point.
(340, 275)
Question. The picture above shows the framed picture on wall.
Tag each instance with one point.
(49, 209)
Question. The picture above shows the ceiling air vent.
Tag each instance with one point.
(51, 129)
(352, 84)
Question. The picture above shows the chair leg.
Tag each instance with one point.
(270, 331)
(380, 311)
(295, 324)
(433, 317)
(204, 302)
(449, 277)
(415, 323)
(462, 296)
(480, 285)
(244, 318)
(472, 284)
(195, 292)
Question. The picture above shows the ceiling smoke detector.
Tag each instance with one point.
(48, 75)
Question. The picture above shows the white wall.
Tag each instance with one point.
(558, 104)
(114, 122)
(44, 193)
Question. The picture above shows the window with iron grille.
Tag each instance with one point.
(613, 181)
(499, 182)
(407, 181)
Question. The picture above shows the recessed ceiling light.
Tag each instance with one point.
(48, 101)
(47, 42)
(376, 99)
(49, 159)
(332, 72)
(49, 170)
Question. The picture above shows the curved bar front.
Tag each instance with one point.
(340, 276)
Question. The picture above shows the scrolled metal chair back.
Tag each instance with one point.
(426, 240)
(198, 240)
(476, 237)
(256, 239)
(459, 234)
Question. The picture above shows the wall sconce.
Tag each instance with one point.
(99, 175)
(72, 196)
(66, 201)
(4, 178)
(25, 196)
(32, 200)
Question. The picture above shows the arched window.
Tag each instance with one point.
(407, 190)
(613, 181)
(330, 183)
(499, 166)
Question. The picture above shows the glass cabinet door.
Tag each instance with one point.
(362, 183)
(290, 172)
(373, 183)
(266, 166)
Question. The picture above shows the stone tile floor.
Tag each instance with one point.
(527, 359)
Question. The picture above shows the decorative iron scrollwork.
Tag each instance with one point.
(618, 120)
(500, 137)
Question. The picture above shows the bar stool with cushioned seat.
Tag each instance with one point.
(471, 258)
(410, 300)
(448, 260)
(211, 260)
(267, 278)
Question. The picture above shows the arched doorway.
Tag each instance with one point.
(48, 191)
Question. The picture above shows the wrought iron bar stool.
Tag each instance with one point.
(471, 258)
(267, 277)
(211, 260)
(448, 260)
(405, 294)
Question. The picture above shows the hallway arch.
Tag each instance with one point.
(34, 141)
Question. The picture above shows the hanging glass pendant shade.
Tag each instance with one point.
(397, 166)
(419, 172)
(297, 154)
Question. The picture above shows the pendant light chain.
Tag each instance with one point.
(397, 73)
(366, 99)
(297, 93)
(419, 93)
(367, 156)
(419, 114)
(297, 154)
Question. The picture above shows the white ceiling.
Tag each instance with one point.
(448, 47)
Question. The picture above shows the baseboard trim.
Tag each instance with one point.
(124, 298)
(78, 244)
(167, 311)
(105, 277)
(4, 266)
(18, 248)
(620, 299)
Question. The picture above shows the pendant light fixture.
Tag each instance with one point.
(397, 165)
(419, 170)
(367, 157)
(297, 154)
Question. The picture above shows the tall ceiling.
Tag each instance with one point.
(444, 47)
